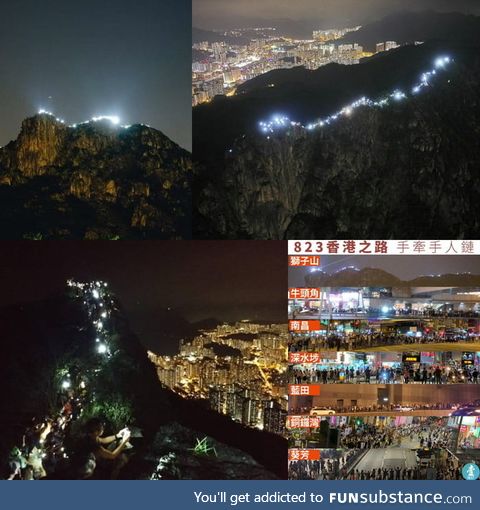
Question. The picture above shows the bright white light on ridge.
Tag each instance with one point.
(102, 349)
(279, 122)
(114, 119)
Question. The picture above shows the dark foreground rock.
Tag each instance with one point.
(93, 181)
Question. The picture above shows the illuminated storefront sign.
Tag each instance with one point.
(411, 358)
(468, 358)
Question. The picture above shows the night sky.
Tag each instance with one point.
(403, 266)
(108, 57)
(229, 14)
(225, 280)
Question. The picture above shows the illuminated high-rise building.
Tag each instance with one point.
(274, 417)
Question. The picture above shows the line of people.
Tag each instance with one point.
(343, 374)
(415, 435)
(329, 467)
(403, 373)
(340, 468)
(298, 312)
(42, 451)
(416, 473)
(411, 406)
(335, 342)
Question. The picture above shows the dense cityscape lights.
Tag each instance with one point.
(239, 369)
(221, 67)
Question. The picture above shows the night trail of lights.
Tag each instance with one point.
(282, 122)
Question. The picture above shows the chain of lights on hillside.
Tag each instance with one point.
(113, 119)
(281, 122)
(95, 295)
(98, 302)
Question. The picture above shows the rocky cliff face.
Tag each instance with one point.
(93, 181)
(409, 170)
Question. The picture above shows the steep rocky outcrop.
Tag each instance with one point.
(48, 340)
(93, 181)
(405, 171)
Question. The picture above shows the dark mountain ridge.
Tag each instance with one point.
(93, 181)
(305, 95)
(403, 167)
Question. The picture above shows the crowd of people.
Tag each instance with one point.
(398, 408)
(396, 473)
(401, 373)
(298, 312)
(413, 473)
(430, 437)
(418, 435)
(336, 342)
(342, 374)
(436, 374)
(330, 467)
(341, 466)
(42, 451)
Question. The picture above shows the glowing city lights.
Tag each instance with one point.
(281, 122)
(66, 384)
